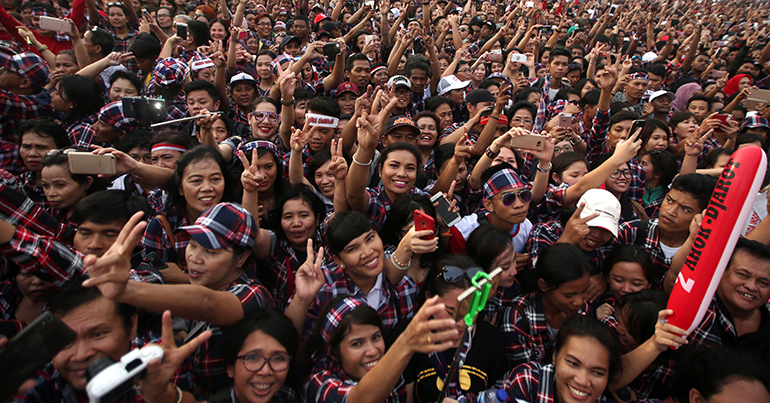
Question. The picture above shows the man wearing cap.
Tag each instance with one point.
(453, 89)
(169, 76)
(506, 202)
(112, 124)
(243, 90)
(660, 103)
(401, 87)
(756, 125)
(292, 49)
(634, 92)
(22, 97)
(478, 100)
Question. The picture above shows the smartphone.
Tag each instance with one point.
(529, 4)
(181, 30)
(565, 120)
(368, 39)
(721, 44)
(30, 350)
(331, 49)
(546, 30)
(718, 73)
(369, 3)
(613, 9)
(679, 33)
(638, 125)
(242, 35)
(519, 75)
(518, 58)
(495, 57)
(450, 217)
(54, 24)
(424, 222)
(725, 118)
(92, 164)
(757, 99)
(528, 142)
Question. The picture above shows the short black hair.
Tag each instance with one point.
(102, 38)
(199, 31)
(417, 62)
(46, 128)
(73, 295)
(324, 106)
(131, 77)
(699, 186)
(560, 51)
(145, 46)
(108, 206)
(353, 58)
(703, 98)
(203, 85)
(270, 321)
(590, 98)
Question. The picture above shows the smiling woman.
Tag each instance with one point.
(38, 137)
(64, 190)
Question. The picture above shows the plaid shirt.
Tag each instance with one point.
(235, 113)
(17, 209)
(378, 206)
(177, 109)
(307, 154)
(552, 204)
(278, 276)
(81, 132)
(628, 233)
(717, 329)
(330, 384)
(526, 332)
(155, 238)
(32, 190)
(14, 110)
(542, 108)
(121, 45)
(10, 296)
(208, 365)
(400, 301)
(534, 383)
(548, 233)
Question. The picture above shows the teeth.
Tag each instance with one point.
(371, 263)
(371, 365)
(747, 295)
(261, 386)
(577, 392)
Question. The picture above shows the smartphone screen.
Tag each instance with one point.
(450, 217)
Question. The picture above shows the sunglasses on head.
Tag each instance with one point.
(453, 274)
(509, 198)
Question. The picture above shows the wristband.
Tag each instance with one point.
(362, 164)
(399, 265)
(491, 154)
(545, 171)
(290, 103)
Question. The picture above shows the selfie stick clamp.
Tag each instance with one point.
(482, 283)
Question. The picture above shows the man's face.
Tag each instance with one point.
(400, 134)
(655, 81)
(359, 73)
(745, 285)
(419, 79)
(700, 63)
(200, 100)
(299, 29)
(94, 239)
(10, 80)
(577, 52)
(636, 89)
(292, 48)
(559, 66)
(90, 47)
(677, 211)
(100, 332)
(661, 104)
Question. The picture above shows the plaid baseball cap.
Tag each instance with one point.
(347, 86)
(170, 72)
(27, 65)
(399, 81)
(112, 114)
(450, 83)
(603, 202)
(401, 121)
(331, 321)
(502, 180)
(10, 48)
(223, 225)
(200, 62)
(755, 122)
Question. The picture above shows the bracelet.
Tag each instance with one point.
(576, 142)
(491, 154)
(545, 171)
(43, 49)
(290, 103)
(362, 164)
(399, 265)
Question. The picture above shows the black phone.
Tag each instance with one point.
(181, 30)
(30, 350)
(332, 49)
(638, 125)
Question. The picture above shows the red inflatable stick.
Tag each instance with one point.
(723, 220)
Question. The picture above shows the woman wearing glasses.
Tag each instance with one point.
(258, 353)
(618, 183)
(265, 118)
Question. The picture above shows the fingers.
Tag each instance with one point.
(126, 230)
(242, 157)
(309, 249)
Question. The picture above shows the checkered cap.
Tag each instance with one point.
(754, 122)
(331, 321)
(251, 145)
(39, 11)
(200, 62)
(27, 65)
(112, 114)
(347, 86)
(170, 72)
(505, 179)
(223, 225)
(640, 75)
(10, 47)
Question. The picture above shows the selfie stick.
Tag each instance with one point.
(480, 293)
(187, 119)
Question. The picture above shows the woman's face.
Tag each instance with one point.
(582, 370)
(627, 278)
(164, 18)
(262, 385)
(627, 342)
(61, 102)
(117, 17)
(32, 287)
(264, 27)
(587, 87)
(267, 167)
(203, 185)
(595, 238)
(218, 32)
(212, 268)
(620, 184)
(298, 222)
(60, 189)
(121, 88)
(33, 148)
(428, 133)
(463, 72)
(506, 155)
(253, 45)
(479, 72)
(744, 83)
(736, 390)
(264, 68)
(324, 180)
(66, 64)
(399, 172)
(442, 65)
(243, 94)
(361, 349)
(658, 141)
(567, 298)
(265, 124)
(381, 77)
(507, 262)
(685, 128)
(722, 161)
(363, 257)
(444, 112)
(401, 64)
(220, 130)
(522, 118)
(451, 309)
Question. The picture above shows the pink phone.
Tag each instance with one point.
(243, 35)
(424, 222)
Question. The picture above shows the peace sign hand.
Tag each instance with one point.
(309, 278)
(251, 177)
(577, 228)
(337, 165)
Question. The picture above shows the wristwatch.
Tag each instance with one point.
(290, 103)
(491, 154)
(545, 171)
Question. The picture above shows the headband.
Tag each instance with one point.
(251, 145)
(41, 12)
(640, 76)
(322, 120)
(167, 146)
(501, 119)
(202, 64)
(376, 69)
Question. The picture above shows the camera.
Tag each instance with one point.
(331, 49)
(108, 380)
(145, 111)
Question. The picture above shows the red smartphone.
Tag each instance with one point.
(242, 35)
(424, 222)
(724, 118)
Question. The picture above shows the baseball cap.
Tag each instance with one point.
(755, 122)
(603, 202)
(649, 57)
(27, 65)
(112, 114)
(170, 72)
(347, 86)
(223, 225)
(242, 77)
(288, 38)
(399, 81)
(661, 93)
(479, 95)
(320, 17)
(450, 83)
(401, 121)
(10, 48)
(323, 33)
(502, 180)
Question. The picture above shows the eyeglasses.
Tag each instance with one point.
(557, 150)
(520, 121)
(453, 274)
(575, 102)
(254, 362)
(264, 24)
(626, 173)
(464, 71)
(462, 29)
(259, 116)
(509, 198)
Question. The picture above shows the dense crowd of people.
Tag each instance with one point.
(345, 171)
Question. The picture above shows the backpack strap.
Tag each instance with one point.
(167, 226)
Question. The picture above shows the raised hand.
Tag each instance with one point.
(251, 177)
(309, 278)
(577, 228)
(337, 165)
(693, 144)
(426, 335)
(666, 335)
(627, 149)
(300, 138)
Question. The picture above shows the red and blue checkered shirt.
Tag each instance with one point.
(629, 233)
(378, 206)
(330, 384)
(534, 383)
(525, 331)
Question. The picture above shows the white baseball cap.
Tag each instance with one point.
(606, 204)
(661, 93)
(450, 83)
(649, 56)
